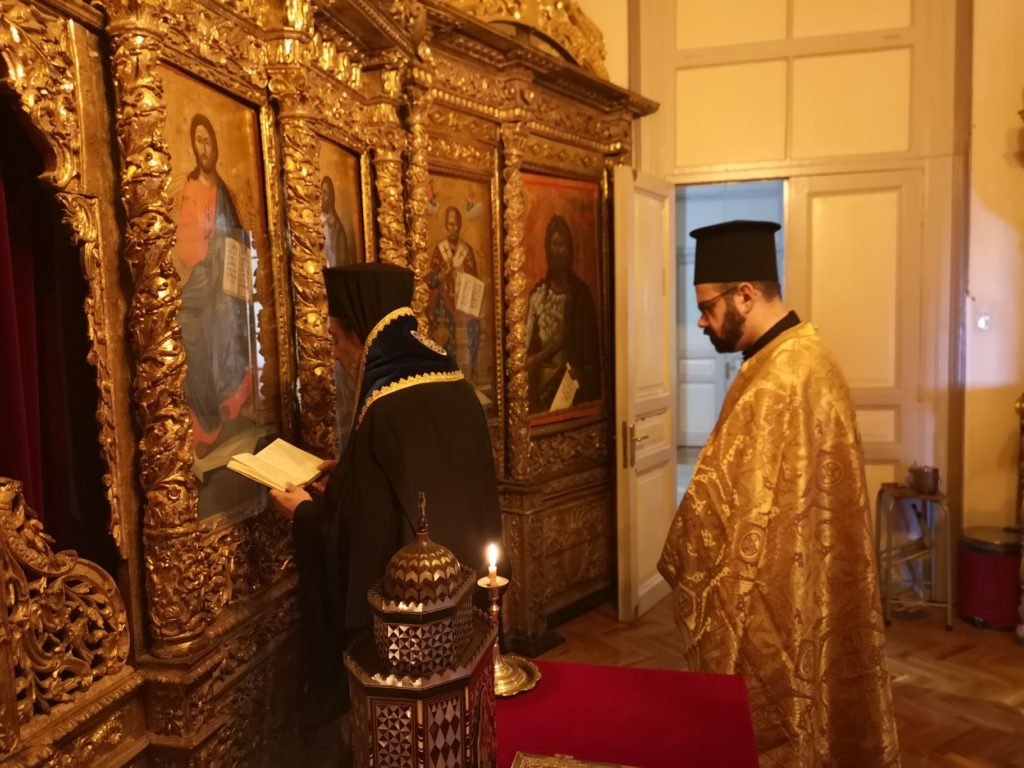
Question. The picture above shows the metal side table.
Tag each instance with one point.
(933, 518)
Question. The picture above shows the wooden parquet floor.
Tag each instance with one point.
(959, 695)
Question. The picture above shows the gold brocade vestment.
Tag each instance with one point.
(772, 566)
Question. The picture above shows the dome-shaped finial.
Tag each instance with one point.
(421, 527)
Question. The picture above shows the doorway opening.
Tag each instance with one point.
(704, 375)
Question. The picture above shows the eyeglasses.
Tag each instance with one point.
(705, 307)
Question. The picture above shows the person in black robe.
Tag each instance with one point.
(418, 427)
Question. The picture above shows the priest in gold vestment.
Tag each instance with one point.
(770, 554)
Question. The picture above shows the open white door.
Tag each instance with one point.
(645, 382)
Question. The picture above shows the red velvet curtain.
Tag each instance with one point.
(21, 455)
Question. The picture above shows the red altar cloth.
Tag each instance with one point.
(648, 718)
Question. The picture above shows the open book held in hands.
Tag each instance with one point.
(277, 464)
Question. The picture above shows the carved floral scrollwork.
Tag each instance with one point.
(38, 50)
(388, 141)
(561, 21)
(564, 450)
(187, 586)
(66, 619)
(189, 583)
(315, 374)
(418, 182)
(81, 213)
(39, 57)
(473, 89)
(513, 138)
(216, 44)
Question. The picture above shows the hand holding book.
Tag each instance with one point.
(278, 465)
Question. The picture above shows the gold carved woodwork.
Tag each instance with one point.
(577, 545)
(185, 591)
(66, 622)
(316, 374)
(404, 109)
(513, 138)
(475, 90)
(567, 450)
(583, 126)
(569, 159)
(524, 546)
(81, 213)
(561, 21)
(38, 52)
(41, 68)
(524, 760)
(236, 707)
(219, 46)
(418, 99)
(462, 126)
(387, 164)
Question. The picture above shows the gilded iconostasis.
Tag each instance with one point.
(208, 160)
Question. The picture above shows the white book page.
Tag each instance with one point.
(469, 293)
(236, 269)
(566, 391)
(298, 465)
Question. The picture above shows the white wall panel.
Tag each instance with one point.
(697, 368)
(655, 512)
(730, 114)
(828, 17)
(851, 104)
(701, 23)
(650, 292)
(853, 281)
(877, 425)
(699, 407)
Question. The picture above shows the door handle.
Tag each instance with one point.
(633, 441)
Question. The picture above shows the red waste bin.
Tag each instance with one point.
(989, 577)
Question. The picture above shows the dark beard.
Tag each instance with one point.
(732, 330)
(207, 164)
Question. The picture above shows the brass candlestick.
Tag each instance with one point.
(512, 674)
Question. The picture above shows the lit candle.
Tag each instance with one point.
(492, 568)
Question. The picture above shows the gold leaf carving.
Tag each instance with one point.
(418, 183)
(459, 152)
(563, 156)
(90, 747)
(82, 215)
(38, 52)
(574, 124)
(66, 619)
(569, 449)
(463, 125)
(389, 141)
(577, 543)
(561, 21)
(215, 44)
(189, 583)
(315, 374)
(187, 586)
(476, 90)
(513, 137)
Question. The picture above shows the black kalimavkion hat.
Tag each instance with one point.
(360, 295)
(735, 252)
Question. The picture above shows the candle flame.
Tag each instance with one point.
(492, 555)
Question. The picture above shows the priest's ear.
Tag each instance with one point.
(761, 290)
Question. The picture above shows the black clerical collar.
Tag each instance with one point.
(789, 321)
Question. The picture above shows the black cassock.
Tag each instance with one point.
(419, 428)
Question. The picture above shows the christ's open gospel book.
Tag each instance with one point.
(277, 464)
